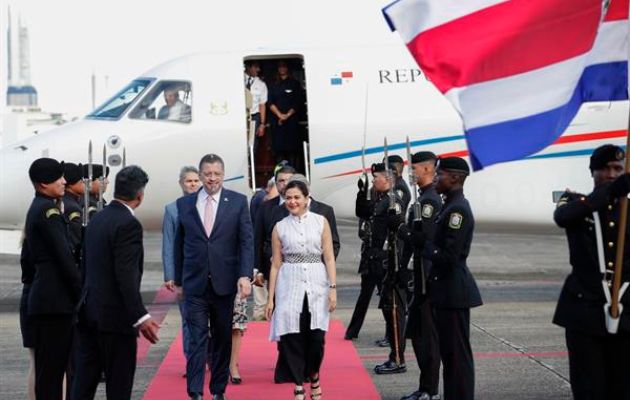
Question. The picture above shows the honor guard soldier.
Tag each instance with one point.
(75, 188)
(374, 264)
(97, 172)
(56, 286)
(418, 231)
(598, 359)
(372, 255)
(452, 288)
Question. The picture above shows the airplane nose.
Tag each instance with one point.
(15, 184)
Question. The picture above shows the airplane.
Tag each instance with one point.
(355, 97)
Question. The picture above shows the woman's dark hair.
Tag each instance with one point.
(301, 186)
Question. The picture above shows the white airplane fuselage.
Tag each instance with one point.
(400, 102)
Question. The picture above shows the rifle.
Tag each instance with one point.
(101, 181)
(417, 216)
(392, 256)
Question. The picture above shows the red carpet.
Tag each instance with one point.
(342, 376)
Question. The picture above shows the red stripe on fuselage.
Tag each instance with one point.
(582, 137)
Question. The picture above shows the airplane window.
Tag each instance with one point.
(117, 105)
(167, 101)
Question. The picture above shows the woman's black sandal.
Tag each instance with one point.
(315, 385)
(299, 392)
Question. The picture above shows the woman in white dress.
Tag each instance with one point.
(302, 289)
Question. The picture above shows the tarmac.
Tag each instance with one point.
(519, 353)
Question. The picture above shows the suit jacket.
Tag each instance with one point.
(114, 259)
(169, 228)
(56, 286)
(326, 211)
(225, 256)
(262, 235)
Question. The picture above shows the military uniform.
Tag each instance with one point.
(420, 325)
(393, 288)
(373, 236)
(598, 360)
(452, 288)
(56, 286)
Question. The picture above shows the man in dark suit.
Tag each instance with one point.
(214, 257)
(262, 240)
(113, 307)
(56, 285)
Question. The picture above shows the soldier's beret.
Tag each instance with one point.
(45, 170)
(423, 156)
(394, 159)
(97, 170)
(72, 172)
(378, 167)
(454, 164)
(604, 154)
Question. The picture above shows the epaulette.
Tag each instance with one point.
(74, 215)
(569, 196)
(52, 211)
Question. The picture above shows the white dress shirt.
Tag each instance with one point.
(202, 197)
(259, 92)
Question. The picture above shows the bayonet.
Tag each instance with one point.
(124, 160)
(417, 216)
(414, 185)
(390, 176)
(365, 174)
(87, 186)
(101, 181)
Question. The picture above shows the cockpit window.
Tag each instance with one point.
(117, 105)
(167, 101)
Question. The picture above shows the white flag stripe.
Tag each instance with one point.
(415, 16)
(529, 93)
(611, 43)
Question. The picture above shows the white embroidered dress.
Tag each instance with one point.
(302, 272)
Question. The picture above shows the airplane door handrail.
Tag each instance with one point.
(307, 163)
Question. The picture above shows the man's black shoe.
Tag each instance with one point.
(421, 395)
(382, 342)
(196, 396)
(390, 367)
(220, 396)
(348, 336)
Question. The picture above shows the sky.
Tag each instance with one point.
(118, 40)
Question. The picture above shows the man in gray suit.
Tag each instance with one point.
(189, 182)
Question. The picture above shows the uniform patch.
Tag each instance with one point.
(74, 215)
(400, 193)
(52, 211)
(455, 221)
(398, 208)
(427, 211)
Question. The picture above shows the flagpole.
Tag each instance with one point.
(623, 220)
